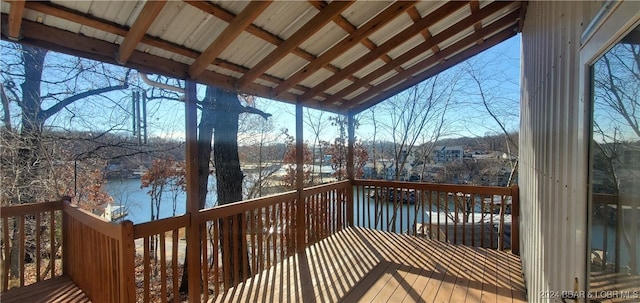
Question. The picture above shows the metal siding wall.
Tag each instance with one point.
(553, 150)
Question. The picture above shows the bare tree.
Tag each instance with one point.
(418, 111)
(495, 103)
(616, 141)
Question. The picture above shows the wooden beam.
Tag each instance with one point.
(62, 41)
(415, 16)
(351, 133)
(439, 14)
(139, 28)
(15, 19)
(301, 226)
(363, 103)
(193, 191)
(347, 43)
(227, 16)
(230, 33)
(116, 29)
(305, 32)
(423, 47)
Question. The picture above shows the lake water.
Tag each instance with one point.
(127, 193)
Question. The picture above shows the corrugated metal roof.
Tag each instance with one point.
(361, 66)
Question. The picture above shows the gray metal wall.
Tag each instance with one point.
(553, 149)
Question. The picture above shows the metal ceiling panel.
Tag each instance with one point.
(349, 56)
(247, 50)
(287, 66)
(417, 59)
(450, 20)
(361, 12)
(384, 77)
(183, 30)
(369, 68)
(427, 7)
(404, 47)
(324, 39)
(391, 29)
(316, 78)
(338, 87)
(284, 18)
(356, 93)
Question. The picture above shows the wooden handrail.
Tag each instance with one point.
(309, 191)
(452, 188)
(105, 227)
(7, 211)
(159, 226)
(417, 208)
(230, 209)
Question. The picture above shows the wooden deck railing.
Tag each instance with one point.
(326, 210)
(471, 215)
(143, 262)
(157, 271)
(238, 240)
(243, 238)
(97, 255)
(32, 231)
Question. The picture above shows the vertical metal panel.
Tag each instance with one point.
(553, 153)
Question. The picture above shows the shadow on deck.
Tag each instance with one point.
(366, 265)
(59, 289)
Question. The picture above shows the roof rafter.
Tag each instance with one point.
(456, 59)
(116, 29)
(306, 31)
(428, 44)
(227, 16)
(139, 28)
(355, 37)
(441, 13)
(426, 34)
(237, 26)
(412, 76)
(63, 41)
(15, 19)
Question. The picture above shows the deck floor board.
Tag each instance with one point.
(58, 289)
(364, 265)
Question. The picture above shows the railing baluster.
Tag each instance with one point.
(163, 268)
(205, 260)
(473, 223)
(52, 235)
(174, 265)
(235, 245)
(243, 245)
(216, 260)
(22, 249)
(38, 250)
(7, 259)
(146, 268)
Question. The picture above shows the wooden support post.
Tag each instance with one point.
(193, 196)
(515, 220)
(127, 263)
(66, 270)
(301, 224)
(350, 166)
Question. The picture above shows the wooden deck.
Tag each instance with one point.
(364, 265)
(59, 289)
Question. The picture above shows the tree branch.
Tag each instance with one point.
(6, 118)
(253, 110)
(45, 114)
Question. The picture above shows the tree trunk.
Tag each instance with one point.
(29, 152)
(229, 180)
(220, 112)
